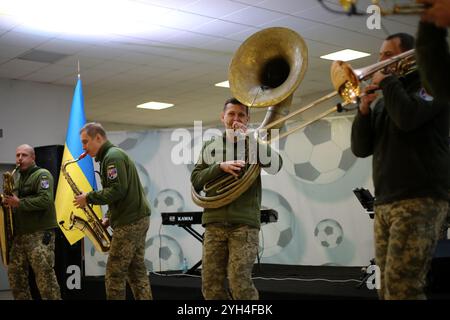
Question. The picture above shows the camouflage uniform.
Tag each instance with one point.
(406, 133)
(126, 262)
(34, 239)
(406, 234)
(30, 249)
(443, 234)
(235, 246)
(230, 245)
(129, 214)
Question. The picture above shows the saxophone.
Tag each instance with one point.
(6, 216)
(92, 225)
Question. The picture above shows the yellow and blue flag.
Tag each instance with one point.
(81, 172)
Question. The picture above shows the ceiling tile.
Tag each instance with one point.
(253, 16)
(12, 51)
(21, 39)
(183, 20)
(16, 69)
(62, 46)
(288, 6)
(8, 22)
(214, 8)
(220, 28)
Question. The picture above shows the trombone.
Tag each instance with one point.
(409, 8)
(347, 84)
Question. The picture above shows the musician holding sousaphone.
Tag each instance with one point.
(265, 71)
(406, 133)
(34, 220)
(231, 238)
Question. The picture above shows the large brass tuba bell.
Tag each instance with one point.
(264, 72)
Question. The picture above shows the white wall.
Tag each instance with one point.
(32, 113)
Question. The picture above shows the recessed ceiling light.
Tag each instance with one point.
(345, 55)
(223, 84)
(153, 105)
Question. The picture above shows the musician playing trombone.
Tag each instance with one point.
(230, 244)
(406, 133)
(34, 223)
(128, 214)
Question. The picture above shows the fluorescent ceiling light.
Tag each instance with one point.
(223, 84)
(345, 55)
(83, 17)
(155, 105)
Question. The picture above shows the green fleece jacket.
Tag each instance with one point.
(122, 190)
(433, 59)
(246, 208)
(406, 133)
(36, 211)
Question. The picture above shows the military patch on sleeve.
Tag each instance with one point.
(424, 95)
(44, 182)
(112, 172)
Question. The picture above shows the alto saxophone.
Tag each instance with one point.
(92, 225)
(6, 216)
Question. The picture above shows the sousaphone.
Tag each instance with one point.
(264, 72)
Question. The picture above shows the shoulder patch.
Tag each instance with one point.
(424, 95)
(112, 172)
(44, 182)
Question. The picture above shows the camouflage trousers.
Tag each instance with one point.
(446, 225)
(444, 229)
(126, 262)
(229, 251)
(406, 234)
(29, 250)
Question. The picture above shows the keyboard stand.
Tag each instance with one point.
(193, 232)
(197, 236)
(185, 220)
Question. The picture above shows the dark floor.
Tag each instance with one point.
(274, 282)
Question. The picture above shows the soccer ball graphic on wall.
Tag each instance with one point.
(169, 200)
(329, 233)
(144, 177)
(275, 236)
(163, 253)
(127, 140)
(100, 258)
(321, 153)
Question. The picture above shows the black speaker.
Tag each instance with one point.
(50, 158)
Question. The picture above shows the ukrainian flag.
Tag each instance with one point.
(81, 172)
